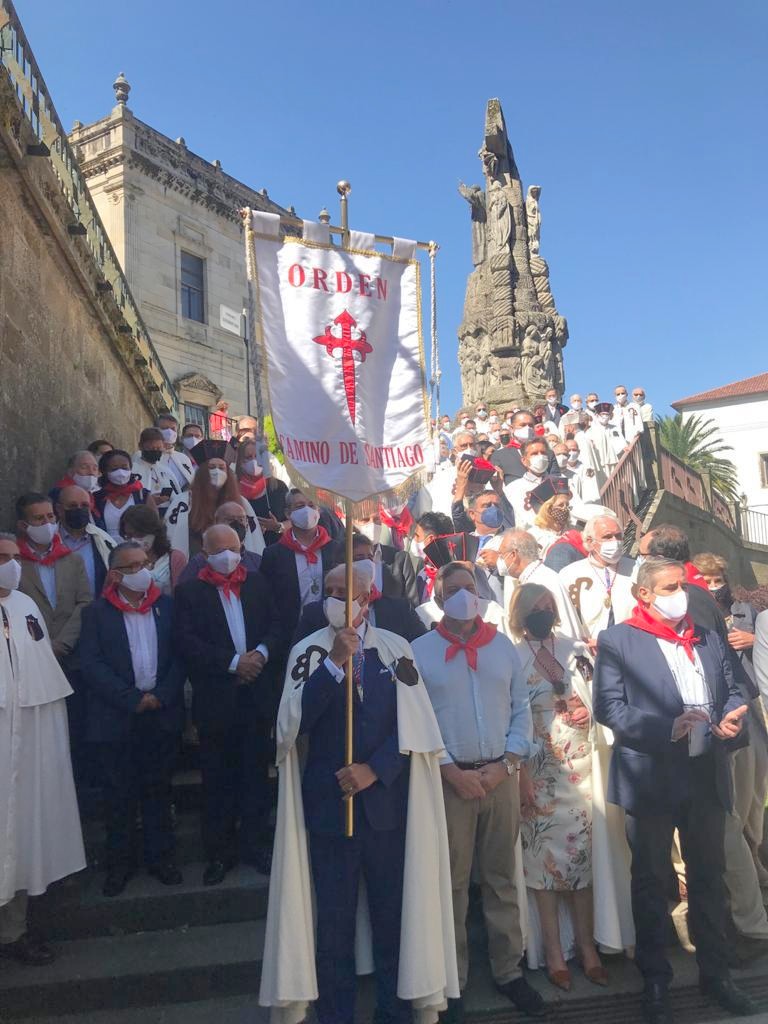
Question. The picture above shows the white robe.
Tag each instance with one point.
(604, 448)
(427, 973)
(516, 493)
(40, 836)
(177, 524)
(628, 420)
(585, 585)
(545, 577)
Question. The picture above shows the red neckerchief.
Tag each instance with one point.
(514, 443)
(693, 575)
(111, 593)
(642, 619)
(574, 538)
(400, 523)
(229, 584)
(482, 636)
(321, 539)
(430, 571)
(375, 594)
(118, 490)
(252, 487)
(58, 550)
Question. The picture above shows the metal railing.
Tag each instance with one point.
(37, 109)
(752, 525)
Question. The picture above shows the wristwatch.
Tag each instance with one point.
(510, 766)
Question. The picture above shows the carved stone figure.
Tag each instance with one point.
(475, 196)
(533, 216)
(511, 333)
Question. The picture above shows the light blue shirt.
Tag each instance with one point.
(47, 574)
(84, 548)
(483, 713)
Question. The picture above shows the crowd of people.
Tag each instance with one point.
(579, 733)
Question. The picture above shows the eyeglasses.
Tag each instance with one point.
(638, 394)
(129, 570)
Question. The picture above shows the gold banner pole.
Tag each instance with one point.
(344, 188)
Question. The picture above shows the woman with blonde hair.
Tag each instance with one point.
(556, 789)
(551, 502)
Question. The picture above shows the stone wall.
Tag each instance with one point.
(62, 382)
(748, 563)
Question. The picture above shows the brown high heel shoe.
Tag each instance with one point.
(597, 975)
(560, 979)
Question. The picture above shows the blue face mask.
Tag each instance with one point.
(492, 517)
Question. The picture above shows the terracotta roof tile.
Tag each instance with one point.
(740, 388)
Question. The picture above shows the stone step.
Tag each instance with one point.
(76, 909)
(154, 968)
(189, 846)
(229, 1010)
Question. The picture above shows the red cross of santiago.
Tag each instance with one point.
(344, 334)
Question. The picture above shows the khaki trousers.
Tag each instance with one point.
(489, 828)
(13, 918)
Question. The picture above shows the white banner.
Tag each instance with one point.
(344, 362)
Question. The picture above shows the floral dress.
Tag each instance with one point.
(556, 831)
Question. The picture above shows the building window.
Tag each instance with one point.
(196, 414)
(192, 287)
(764, 469)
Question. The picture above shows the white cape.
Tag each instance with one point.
(427, 972)
(40, 837)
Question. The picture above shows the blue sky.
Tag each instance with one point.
(643, 123)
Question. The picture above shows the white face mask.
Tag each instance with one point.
(305, 518)
(482, 415)
(672, 606)
(523, 433)
(43, 534)
(552, 402)
(253, 467)
(591, 405)
(576, 406)
(561, 460)
(605, 418)
(10, 575)
(139, 582)
(376, 533)
(189, 442)
(463, 605)
(218, 478)
(169, 436)
(621, 399)
(465, 421)
(119, 476)
(86, 481)
(573, 456)
(494, 420)
(538, 464)
(501, 566)
(610, 550)
(224, 562)
(336, 612)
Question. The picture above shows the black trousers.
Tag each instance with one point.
(337, 863)
(235, 769)
(701, 823)
(137, 772)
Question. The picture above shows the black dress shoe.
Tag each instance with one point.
(724, 992)
(656, 1008)
(167, 874)
(27, 950)
(524, 996)
(115, 883)
(216, 871)
(454, 1014)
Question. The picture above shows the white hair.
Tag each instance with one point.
(589, 528)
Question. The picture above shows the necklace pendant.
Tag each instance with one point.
(607, 601)
(315, 587)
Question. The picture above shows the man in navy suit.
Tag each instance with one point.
(385, 611)
(379, 781)
(666, 689)
(135, 712)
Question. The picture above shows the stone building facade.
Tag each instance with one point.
(173, 220)
(77, 362)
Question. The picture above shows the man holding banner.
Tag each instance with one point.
(343, 360)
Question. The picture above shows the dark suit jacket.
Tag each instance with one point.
(634, 694)
(376, 743)
(278, 566)
(205, 644)
(105, 662)
(399, 576)
(392, 613)
(508, 459)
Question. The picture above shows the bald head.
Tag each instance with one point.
(74, 497)
(73, 509)
(220, 538)
(228, 511)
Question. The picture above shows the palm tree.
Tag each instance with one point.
(696, 442)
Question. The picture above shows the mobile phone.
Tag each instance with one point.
(477, 476)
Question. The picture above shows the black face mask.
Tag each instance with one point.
(723, 595)
(505, 438)
(239, 529)
(539, 624)
(76, 518)
(151, 456)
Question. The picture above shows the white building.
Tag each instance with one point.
(740, 411)
(172, 218)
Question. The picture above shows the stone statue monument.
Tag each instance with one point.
(511, 336)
